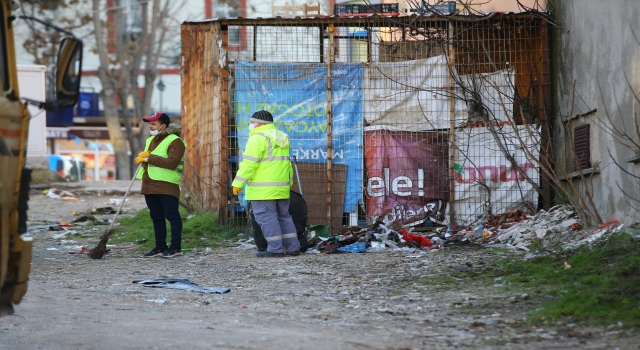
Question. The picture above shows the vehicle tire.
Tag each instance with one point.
(6, 306)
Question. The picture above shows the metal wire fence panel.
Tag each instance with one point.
(395, 118)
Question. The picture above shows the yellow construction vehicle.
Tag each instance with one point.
(15, 249)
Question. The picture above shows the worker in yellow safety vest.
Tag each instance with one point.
(267, 173)
(160, 173)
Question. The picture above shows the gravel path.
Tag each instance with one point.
(314, 301)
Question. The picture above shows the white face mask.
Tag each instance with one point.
(155, 132)
(252, 126)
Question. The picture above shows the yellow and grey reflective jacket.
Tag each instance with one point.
(159, 173)
(265, 168)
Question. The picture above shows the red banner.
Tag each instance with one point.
(407, 174)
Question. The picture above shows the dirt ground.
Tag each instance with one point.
(314, 301)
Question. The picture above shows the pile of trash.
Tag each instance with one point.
(64, 195)
(558, 227)
(377, 238)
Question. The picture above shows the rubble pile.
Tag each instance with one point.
(558, 227)
(559, 224)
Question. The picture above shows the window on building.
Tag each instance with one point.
(223, 10)
(581, 144)
(131, 20)
(130, 17)
(237, 39)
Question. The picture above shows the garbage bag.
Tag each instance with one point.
(180, 283)
(299, 213)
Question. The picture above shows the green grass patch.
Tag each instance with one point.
(201, 230)
(602, 286)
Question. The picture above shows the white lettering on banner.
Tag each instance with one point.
(420, 182)
(396, 185)
(401, 182)
(400, 212)
(302, 154)
(501, 173)
(297, 110)
(56, 134)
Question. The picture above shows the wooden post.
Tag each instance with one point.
(452, 129)
(223, 82)
(330, 58)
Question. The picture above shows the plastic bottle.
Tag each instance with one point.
(479, 231)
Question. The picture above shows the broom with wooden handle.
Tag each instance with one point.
(100, 250)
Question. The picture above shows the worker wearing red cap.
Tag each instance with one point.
(160, 173)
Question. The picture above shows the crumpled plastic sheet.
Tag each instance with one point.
(180, 283)
(358, 247)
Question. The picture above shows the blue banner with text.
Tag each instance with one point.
(296, 95)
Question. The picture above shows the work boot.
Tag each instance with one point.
(294, 252)
(154, 252)
(267, 254)
(171, 252)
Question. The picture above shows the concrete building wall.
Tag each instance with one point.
(597, 49)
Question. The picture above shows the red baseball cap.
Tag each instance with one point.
(157, 116)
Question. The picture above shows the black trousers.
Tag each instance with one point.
(165, 207)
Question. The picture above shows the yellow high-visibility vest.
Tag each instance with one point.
(158, 173)
(265, 168)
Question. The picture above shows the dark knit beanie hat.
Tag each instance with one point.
(262, 117)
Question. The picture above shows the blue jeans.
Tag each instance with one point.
(165, 207)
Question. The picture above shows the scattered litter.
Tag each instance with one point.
(71, 199)
(358, 247)
(157, 301)
(118, 201)
(246, 246)
(66, 194)
(70, 241)
(88, 218)
(52, 248)
(180, 283)
(51, 193)
(78, 250)
(38, 227)
(376, 247)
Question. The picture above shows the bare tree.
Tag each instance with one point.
(123, 56)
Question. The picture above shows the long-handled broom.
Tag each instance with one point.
(100, 250)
